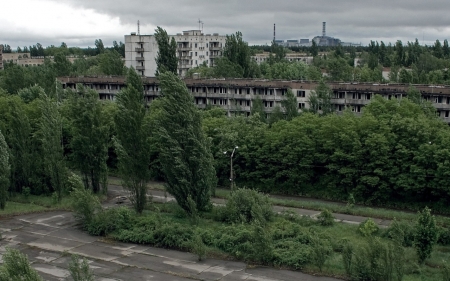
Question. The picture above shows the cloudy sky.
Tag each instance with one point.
(80, 22)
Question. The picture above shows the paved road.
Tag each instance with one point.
(47, 238)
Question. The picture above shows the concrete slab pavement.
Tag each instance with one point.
(48, 239)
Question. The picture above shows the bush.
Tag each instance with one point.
(107, 221)
(368, 227)
(320, 252)
(291, 253)
(443, 236)
(445, 271)
(325, 218)
(84, 203)
(401, 230)
(198, 247)
(79, 269)
(173, 235)
(426, 234)
(347, 256)
(246, 205)
(17, 267)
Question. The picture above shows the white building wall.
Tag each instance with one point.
(193, 49)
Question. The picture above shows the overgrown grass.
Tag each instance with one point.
(15, 208)
(286, 240)
(152, 185)
(340, 208)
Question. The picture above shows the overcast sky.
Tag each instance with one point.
(80, 22)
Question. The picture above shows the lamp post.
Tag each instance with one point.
(231, 167)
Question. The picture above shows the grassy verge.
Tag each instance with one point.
(335, 207)
(284, 241)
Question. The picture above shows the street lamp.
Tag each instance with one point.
(231, 166)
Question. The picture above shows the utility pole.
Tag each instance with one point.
(231, 168)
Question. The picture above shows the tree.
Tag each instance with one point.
(17, 267)
(276, 115)
(289, 105)
(100, 48)
(62, 65)
(314, 49)
(426, 234)
(185, 156)
(4, 171)
(320, 99)
(446, 49)
(50, 136)
(238, 53)
(166, 60)
(258, 108)
(111, 63)
(90, 134)
(132, 140)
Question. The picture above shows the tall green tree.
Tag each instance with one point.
(237, 51)
(185, 155)
(90, 137)
(258, 108)
(426, 234)
(4, 171)
(111, 63)
(50, 136)
(320, 99)
(166, 60)
(289, 105)
(132, 140)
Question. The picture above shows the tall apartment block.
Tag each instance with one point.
(193, 49)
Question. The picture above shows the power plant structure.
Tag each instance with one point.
(322, 41)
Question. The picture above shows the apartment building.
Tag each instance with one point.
(193, 49)
(236, 95)
(291, 57)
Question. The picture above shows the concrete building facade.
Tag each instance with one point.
(193, 49)
(291, 57)
(236, 95)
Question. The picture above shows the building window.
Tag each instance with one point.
(206, 45)
(195, 45)
(301, 94)
(301, 105)
(195, 53)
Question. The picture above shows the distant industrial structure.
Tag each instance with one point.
(322, 41)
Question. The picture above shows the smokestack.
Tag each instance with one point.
(273, 32)
(324, 29)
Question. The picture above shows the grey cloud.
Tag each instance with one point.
(350, 20)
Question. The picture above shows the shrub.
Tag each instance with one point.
(445, 271)
(173, 235)
(401, 230)
(291, 253)
(368, 227)
(17, 267)
(26, 191)
(426, 234)
(107, 221)
(79, 269)
(246, 205)
(198, 247)
(347, 256)
(443, 236)
(320, 252)
(325, 218)
(84, 203)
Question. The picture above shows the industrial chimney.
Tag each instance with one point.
(273, 32)
(324, 29)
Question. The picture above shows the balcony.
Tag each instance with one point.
(184, 49)
(186, 56)
(140, 58)
(140, 67)
(214, 56)
(215, 48)
(139, 49)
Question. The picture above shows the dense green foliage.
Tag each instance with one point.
(185, 155)
(79, 269)
(17, 267)
(4, 171)
(395, 154)
(89, 143)
(426, 234)
(166, 59)
(132, 140)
